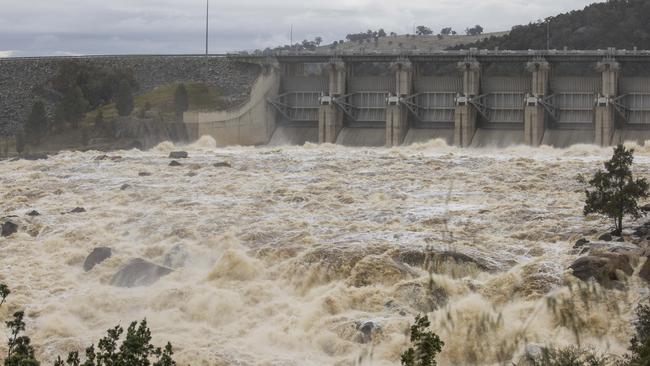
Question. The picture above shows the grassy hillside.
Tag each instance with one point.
(412, 42)
(161, 102)
(617, 23)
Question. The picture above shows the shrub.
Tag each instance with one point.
(569, 356)
(425, 345)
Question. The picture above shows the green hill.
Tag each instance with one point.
(617, 23)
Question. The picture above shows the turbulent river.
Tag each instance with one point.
(314, 255)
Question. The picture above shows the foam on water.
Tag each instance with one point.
(292, 248)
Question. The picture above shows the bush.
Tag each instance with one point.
(425, 345)
(569, 356)
(615, 192)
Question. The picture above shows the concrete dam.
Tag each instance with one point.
(471, 98)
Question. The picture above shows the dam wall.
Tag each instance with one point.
(23, 80)
(471, 98)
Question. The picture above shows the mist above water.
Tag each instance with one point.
(313, 255)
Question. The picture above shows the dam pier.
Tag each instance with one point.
(470, 98)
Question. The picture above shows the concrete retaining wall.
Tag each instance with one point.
(252, 123)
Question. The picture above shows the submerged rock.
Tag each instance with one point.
(223, 164)
(581, 243)
(144, 174)
(366, 331)
(178, 155)
(374, 269)
(606, 237)
(97, 256)
(602, 267)
(174, 163)
(176, 257)
(78, 210)
(33, 157)
(33, 213)
(644, 273)
(138, 273)
(124, 187)
(9, 228)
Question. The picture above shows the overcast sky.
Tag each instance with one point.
(70, 27)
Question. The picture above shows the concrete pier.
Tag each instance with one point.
(396, 113)
(604, 112)
(330, 117)
(465, 114)
(534, 113)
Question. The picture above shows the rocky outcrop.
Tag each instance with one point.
(604, 268)
(97, 256)
(178, 155)
(138, 273)
(22, 80)
(9, 228)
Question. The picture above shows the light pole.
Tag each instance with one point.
(548, 34)
(207, 24)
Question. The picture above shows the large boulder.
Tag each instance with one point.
(97, 256)
(604, 268)
(9, 228)
(139, 272)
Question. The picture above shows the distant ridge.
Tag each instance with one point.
(622, 24)
(413, 42)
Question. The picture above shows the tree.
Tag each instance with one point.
(20, 352)
(423, 31)
(425, 345)
(318, 40)
(181, 101)
(4, 292)
(381, 33)
(476, 30)
(135, 350)
(124, 99)
(36, 126)
(615, 192)
(73, 107)
(640, 345)
(446, 31)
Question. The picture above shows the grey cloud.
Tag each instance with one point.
(46, 27)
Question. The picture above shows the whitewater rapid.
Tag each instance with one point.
(313, 255)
